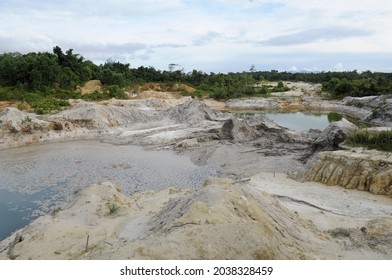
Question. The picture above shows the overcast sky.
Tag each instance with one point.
(212, 36)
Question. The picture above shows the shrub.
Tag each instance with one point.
(113, 208)
(372, 140)
(114, 91)
(280, 87)
(47, 105)
(22, 106)
(334, 117)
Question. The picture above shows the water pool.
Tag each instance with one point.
(36, 178)
(300, 121)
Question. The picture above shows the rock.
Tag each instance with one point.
(13, 120)
(333, 135)
(19, 128)
(187, 143)
(262, 123)
(363, 170)
(379, 108)
(238, 130)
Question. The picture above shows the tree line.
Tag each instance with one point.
(59, 73)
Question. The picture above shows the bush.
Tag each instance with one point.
(265, 90)
(113, 208)
(22, 106)
(334, 117)
(115, 91)
(47, 105)
(219, 94)
(280, 88)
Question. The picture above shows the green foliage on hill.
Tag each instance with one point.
(365, 84)
(48, 78)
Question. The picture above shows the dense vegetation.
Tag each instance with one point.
(45, 81)
(372, 140)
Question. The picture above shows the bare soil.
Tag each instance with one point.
(255, 210)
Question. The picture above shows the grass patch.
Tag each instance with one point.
(52, 100)
(381, 140)
(113, 208)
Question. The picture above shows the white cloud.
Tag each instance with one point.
(339, 67)
(314, 35)
(217, 33)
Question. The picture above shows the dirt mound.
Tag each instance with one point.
(96, 116)
(221, 220)
(91, 87)
(192, 112)
(13, 120)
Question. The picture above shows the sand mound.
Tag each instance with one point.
(221, 220)
(192, 112)
(92, 115)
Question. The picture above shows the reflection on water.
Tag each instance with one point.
(36, 178)
(299, 121)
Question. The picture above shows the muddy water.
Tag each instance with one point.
(35, 179)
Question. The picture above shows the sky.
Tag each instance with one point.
(211, 36)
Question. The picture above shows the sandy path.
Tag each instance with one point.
(326, 206)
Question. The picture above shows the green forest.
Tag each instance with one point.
(46, 80)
